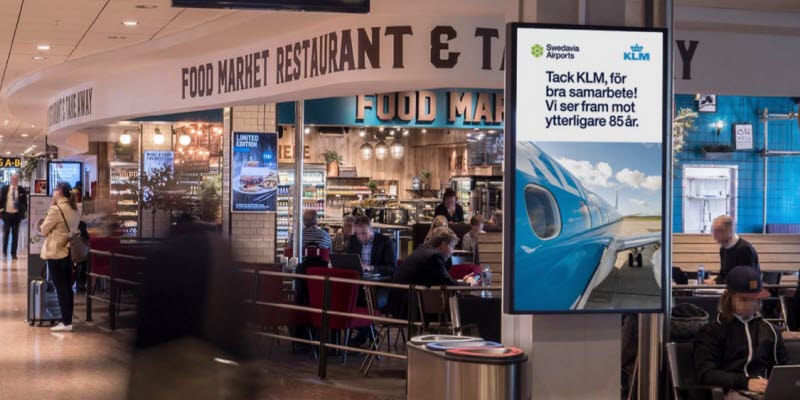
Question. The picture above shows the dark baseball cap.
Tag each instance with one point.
(746, 281)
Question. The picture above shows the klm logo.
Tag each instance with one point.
(636, 54)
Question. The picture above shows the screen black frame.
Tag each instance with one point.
(49, 163)
(512, 29)
(363, 7)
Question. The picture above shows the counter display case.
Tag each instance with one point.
(124, 180)
(344, 190)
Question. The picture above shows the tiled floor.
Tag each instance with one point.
(92, 363)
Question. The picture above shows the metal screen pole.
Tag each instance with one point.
(297, 198)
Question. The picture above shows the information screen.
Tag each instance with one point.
(586, 126)
(63, 171)
(254, 172)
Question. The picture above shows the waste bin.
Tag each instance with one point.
(465, 368)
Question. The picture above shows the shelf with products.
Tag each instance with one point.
(124, 179)
(314, 191)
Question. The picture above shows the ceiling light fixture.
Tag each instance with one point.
(381, 150)
(39, 58)
(185, 140)
(366, 151)
(125, 139)
(23, 135)
(146, 6)
(6, 122)
(397, 150)
(158, 138)
(362, 133)
(307, 131)
(43, 47)
(405, 132)
(8, 152)
(130, 23)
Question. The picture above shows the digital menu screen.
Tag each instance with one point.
(254, 172)
(63, 171)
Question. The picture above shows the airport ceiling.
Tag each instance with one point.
(37, 34)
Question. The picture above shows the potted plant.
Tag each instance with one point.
(372, 185)
(717, 152)
(332, 160)
(159, 191)
(681, 126)
(425, 176)
(210, 194)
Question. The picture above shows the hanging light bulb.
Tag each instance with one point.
(381, 150)
(185, 139)
(397, 150)
(125, 139)
(158, 138)
(366, 151)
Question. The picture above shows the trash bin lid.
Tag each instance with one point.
(487, 355)
(423, 339)
(443, 346)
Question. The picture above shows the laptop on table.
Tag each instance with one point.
(347, 261)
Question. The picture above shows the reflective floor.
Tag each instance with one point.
(92, 363)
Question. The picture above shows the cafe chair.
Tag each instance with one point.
(384, 332)
(682, 376)
(342, 298)
(787, 311)
(433, 310)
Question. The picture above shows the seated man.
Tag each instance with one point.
(311, 232)
(738, 349)
(377, 251)
(734, 251)
(426, 266)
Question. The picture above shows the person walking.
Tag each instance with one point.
(14, 200)
(62, 219)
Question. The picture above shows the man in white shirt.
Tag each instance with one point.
(14, 200)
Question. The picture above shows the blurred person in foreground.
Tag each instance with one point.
(190, 341)
(738, 349)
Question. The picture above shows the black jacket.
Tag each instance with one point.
(742, 253)
(425, 266)
(22, 203)
(458, 217)
(724, 357)
(384, 257)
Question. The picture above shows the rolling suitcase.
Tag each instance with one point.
(43, 305)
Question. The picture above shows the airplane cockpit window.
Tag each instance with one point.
(587, 216)
(543, 214)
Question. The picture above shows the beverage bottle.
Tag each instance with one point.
(487, 275)
(701, 274)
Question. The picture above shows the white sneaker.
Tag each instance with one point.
(61, 328)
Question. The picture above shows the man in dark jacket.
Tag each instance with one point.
(733, 252)
(377, 251)
(14, 203)
(738, 349)
(426, 266)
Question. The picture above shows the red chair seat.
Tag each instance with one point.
(342, 298)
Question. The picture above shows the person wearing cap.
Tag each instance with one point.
(738, 349)
(733, 250)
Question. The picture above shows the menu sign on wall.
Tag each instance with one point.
(36, 215)
(254, 172)
(586, 147)
(158, 160)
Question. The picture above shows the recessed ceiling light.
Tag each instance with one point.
(6, 122)
(8, 152)
(43, 47)
(33, 146)
(147, 6)
(117, 37)
(130, 23)
(38, 58)
(23, 135)
(33, 126)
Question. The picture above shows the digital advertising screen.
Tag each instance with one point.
(586, 146)
(63, 171)
(254, 172)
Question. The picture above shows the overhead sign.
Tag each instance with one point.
(442, 108)
(254, 172)
(586, 141)
(10, 162)
(70, 106)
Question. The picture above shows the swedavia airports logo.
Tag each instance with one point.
(636, 54)
(537, 50)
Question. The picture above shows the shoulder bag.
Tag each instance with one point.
(78, 246)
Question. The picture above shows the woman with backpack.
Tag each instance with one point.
(61, 221)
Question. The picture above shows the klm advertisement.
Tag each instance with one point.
(254, 172)
(586, 144)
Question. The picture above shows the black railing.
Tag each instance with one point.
(114, 301)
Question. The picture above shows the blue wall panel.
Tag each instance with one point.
(783, 193)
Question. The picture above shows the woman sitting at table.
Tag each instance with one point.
(341, 241)
(452, 211)
(738, 350)
(439, 221)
